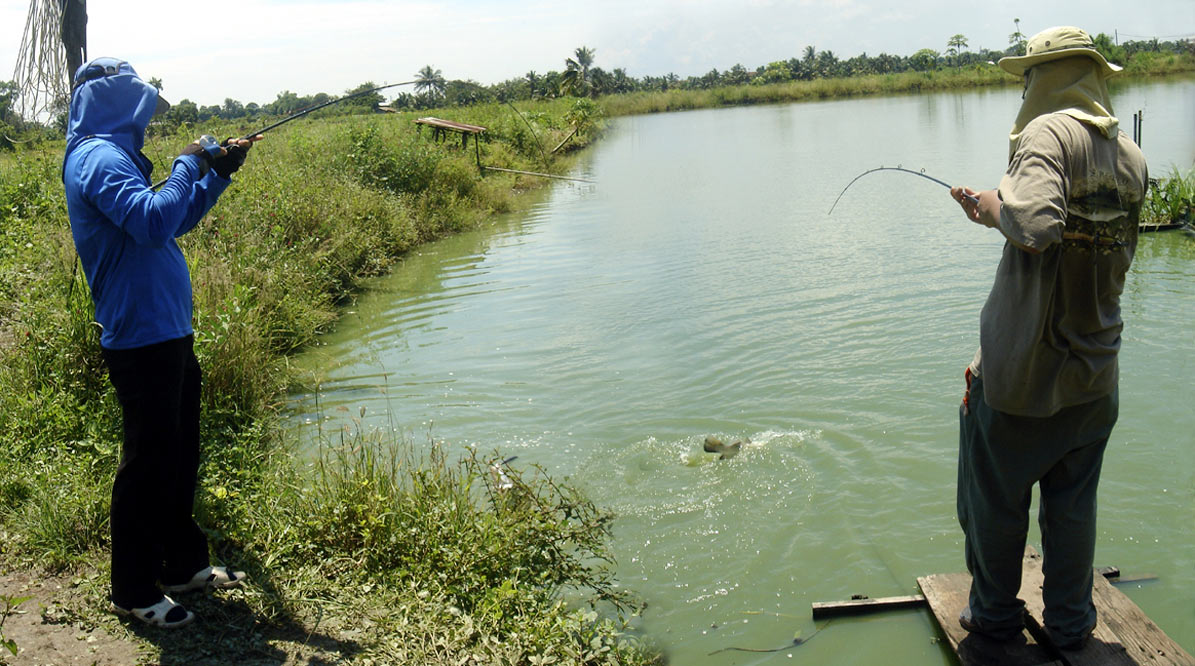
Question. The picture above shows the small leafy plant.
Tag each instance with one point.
(10, 605)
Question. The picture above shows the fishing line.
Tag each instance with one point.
(15, 141)
(541, 154)
(797, 640)
(896, 168)
(300, 114)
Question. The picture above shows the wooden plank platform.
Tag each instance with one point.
(451, 125)
(441, 128)
(1123, 636)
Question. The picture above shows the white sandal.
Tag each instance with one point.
(167, 614)
(211, 578)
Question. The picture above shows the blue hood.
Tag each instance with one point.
(116, 108)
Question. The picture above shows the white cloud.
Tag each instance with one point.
(259, 48)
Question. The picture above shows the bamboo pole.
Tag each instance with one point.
(542, 175)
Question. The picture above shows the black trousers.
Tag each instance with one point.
(154, 536)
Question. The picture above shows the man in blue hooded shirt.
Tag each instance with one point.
(125, 235)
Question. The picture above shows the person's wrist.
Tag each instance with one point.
(233, 158)
(211, 147)
(207, 149)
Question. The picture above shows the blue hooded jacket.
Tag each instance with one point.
(125, 232)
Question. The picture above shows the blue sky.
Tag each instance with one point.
(250, 50)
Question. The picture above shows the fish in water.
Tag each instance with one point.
(725, 451)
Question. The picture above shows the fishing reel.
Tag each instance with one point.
(211, 146)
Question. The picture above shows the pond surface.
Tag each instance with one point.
(701, 288)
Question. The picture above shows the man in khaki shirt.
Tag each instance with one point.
(1042, 394)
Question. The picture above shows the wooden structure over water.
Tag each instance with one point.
(441, 128)
(1124, 635)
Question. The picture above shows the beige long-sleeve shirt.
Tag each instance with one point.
(1050, 330)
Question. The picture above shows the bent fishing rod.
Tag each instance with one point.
(317, 107)
(210, 144)
(897, 168)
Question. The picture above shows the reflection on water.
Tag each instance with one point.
(700, 288)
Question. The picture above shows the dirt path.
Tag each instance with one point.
(65, 622)
(47, 633)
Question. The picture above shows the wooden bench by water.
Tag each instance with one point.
(441, 128)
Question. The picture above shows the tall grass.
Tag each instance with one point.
(797, 91)
(456, 557)
(1158, 64)
(318, 207)
(976, 76)
(1170, 200)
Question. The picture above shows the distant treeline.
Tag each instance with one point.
(581, 78)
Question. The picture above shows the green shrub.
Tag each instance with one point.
(1170, 200)
(498, 545)
(61, 512)
(407, 166)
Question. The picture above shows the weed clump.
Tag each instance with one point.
(1170, 200)
(484, 547)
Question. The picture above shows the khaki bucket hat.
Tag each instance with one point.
(1054, 43)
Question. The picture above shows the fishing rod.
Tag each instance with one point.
(897, 168)
(317, 107)
(211, 141)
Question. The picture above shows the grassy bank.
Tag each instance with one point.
(978, 76)
(800, 91)
(382, 554)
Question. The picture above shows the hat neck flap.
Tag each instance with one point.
(1073, 86)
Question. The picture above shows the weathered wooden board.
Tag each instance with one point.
(1144, 640)
(439, 123)
(863, 605)
(1124, 635)
(824, 609)
(947, 596)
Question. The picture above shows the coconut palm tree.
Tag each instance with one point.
(576, 80)
(809, 54)
(533, 82)
(430, 80)
(827, 64)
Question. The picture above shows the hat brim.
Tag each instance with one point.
(1016, 65)
(162, 107)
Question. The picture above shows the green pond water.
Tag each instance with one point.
(701, 288)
